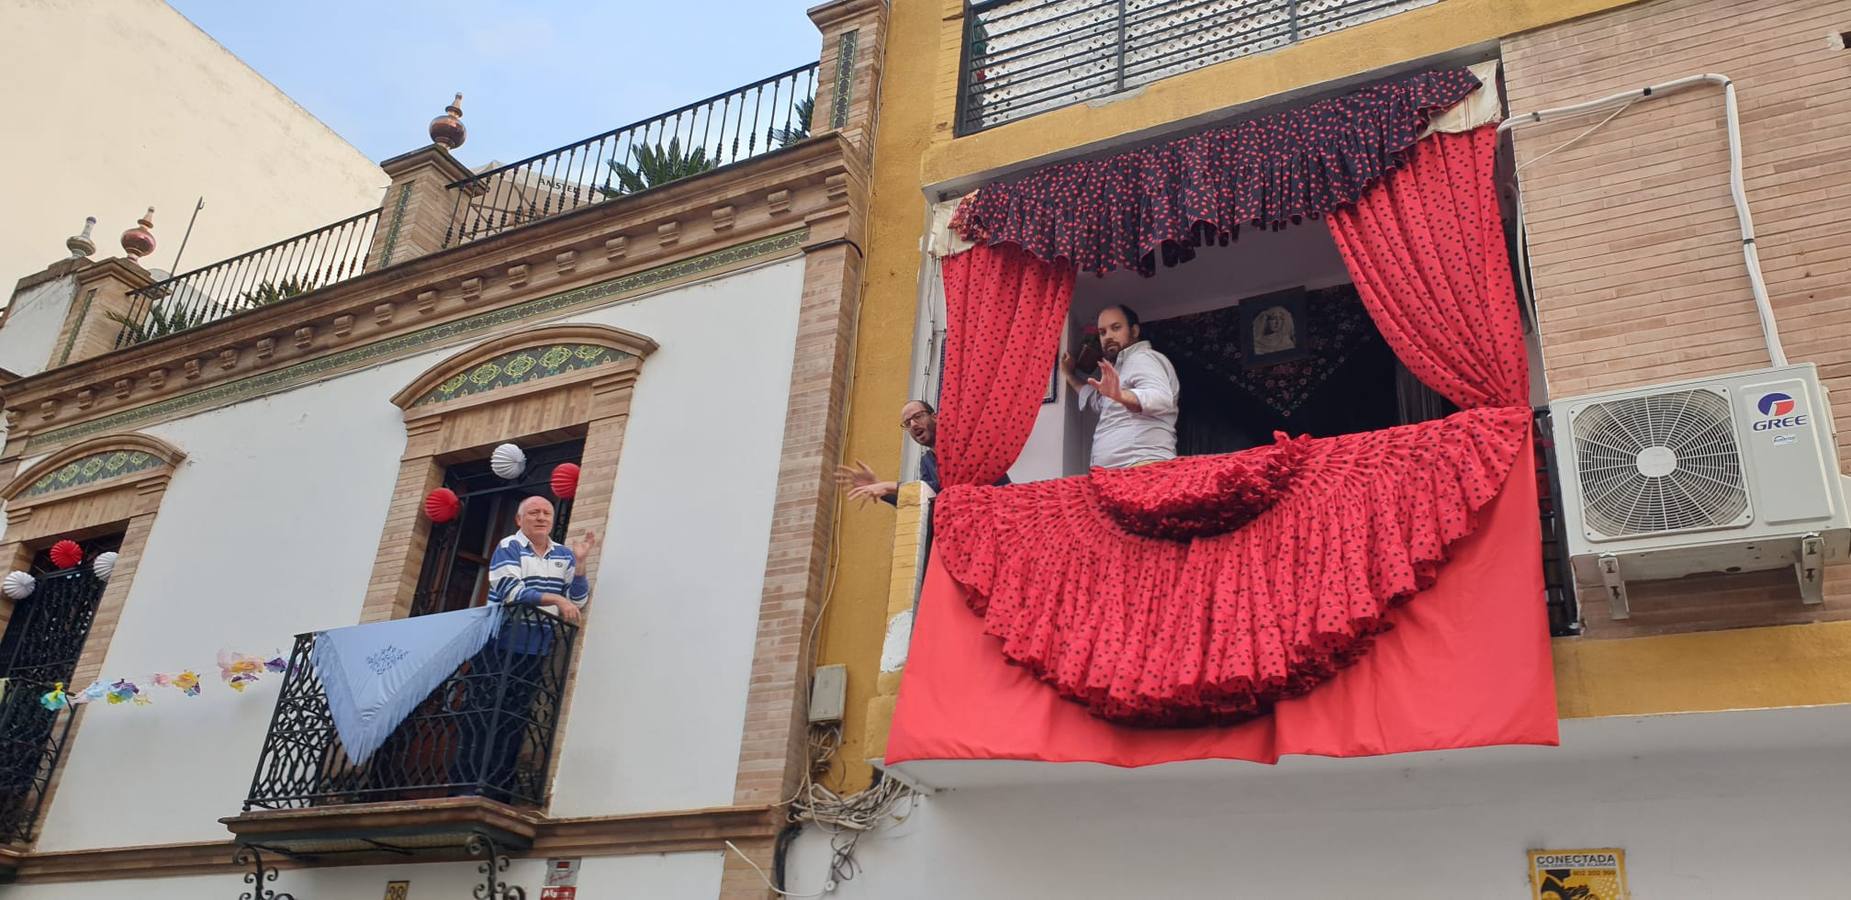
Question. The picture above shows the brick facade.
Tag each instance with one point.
(1635, 251)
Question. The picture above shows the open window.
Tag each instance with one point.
(456, 561)
(1266, 334)
(41, 647)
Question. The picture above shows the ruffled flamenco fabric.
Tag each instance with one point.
(1315, 590)
(1466, 665)
(1127, 210)
(1217, 629)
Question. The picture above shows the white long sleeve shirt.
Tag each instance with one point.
(1125, 438)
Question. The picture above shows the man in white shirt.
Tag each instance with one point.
(1134, 395)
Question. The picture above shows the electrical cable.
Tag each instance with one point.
(827, 886)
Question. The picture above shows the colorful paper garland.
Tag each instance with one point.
(237, 670)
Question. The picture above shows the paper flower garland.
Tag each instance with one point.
(565, 480)
(66, 554)
(186, 682)
(104, 564)
(18, 585)
(508, 461)
(125, 691)
(239, 670)
(442, 505)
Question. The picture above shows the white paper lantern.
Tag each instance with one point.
(508, 461)
(18, 585)
(104, 564)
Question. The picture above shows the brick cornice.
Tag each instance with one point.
(676, 831)
(752, 200)
(129, 271)
(433, 155)
(52, 272)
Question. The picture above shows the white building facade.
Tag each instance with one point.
(265, 470)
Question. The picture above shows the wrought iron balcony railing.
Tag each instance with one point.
(487, 731)
(700, 137)
(41, 648)
(1022, 57)
(300, 264)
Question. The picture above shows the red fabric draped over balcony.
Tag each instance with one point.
(1221, 627)
(1466, 665)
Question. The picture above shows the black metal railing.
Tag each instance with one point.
(700, 137)
(487, 731)
(41, 646)
(1022, 57)
(1558, 576)
(300, 264)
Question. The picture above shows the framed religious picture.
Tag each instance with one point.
(1272, 328)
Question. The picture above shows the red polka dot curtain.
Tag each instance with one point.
(1426, 250)
(1004, 310)
(1210, 589)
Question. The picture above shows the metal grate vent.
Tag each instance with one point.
(1660, 463)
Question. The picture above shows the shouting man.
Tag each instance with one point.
(920, 421)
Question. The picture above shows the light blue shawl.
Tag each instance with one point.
(376, 674)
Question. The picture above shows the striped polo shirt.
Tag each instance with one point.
(520, 574)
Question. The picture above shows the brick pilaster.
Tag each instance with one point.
(414, 216)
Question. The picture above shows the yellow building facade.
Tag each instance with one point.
(1684, 657)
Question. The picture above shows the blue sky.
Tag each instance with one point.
(534, 74)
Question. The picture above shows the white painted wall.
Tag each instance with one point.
(272, 524)
(32, 322)
(1697, 821)
(269, 528)
(656, 721)
(678, 876)
(128, 105)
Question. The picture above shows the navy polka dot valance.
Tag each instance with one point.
(1159, 202)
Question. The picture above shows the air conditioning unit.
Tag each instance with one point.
(1737, 473)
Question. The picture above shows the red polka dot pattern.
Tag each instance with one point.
(1128, 210)
(1194, 497)
(1150, 631)
(1004, 310)
(1199, 627)
(1426, 250)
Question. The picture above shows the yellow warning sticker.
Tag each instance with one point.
(1578, 874)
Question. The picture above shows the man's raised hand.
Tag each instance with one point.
(585, 546)
(1107, 382)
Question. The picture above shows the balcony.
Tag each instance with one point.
(696, 139)
(701, 137)
(328, 255)
(1023, 57)
(475, 756)
(43, 640)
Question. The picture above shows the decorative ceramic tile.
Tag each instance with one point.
(522, 366)
(398, 218)
(98, 467)
(424, 339)
(845, 77)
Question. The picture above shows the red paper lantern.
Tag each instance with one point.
(565, 480)
(66, 554)
(442, 505)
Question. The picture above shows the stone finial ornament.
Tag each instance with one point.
(138, 242)
(447, 130)
(81, 245)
